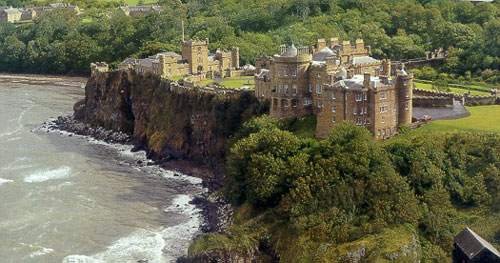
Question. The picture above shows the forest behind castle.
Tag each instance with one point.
(61, 42)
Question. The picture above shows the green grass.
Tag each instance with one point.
(176, 77)
(482, 119)
(428, 86)
(242, 77)
(236, 84)
(206, 82)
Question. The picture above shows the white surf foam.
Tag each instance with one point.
(179, 237)
(44, 175)
(4, 181)
(165, 245)
(38, 250)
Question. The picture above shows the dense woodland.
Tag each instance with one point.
(60, 42)
(310, 200)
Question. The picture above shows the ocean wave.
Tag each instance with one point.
(44, 175)
(4, 181)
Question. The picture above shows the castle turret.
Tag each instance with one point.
(386, 67)
(235, 57)
(404, 87)
(161, 66)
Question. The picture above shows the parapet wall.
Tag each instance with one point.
(432, 99)
(432, 102)
(481, 100)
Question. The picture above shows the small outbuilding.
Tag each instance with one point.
(471, 248)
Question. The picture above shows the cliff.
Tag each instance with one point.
(165, 119)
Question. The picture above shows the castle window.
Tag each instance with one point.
(383, 132)
(358, 97)
(319, 74)
(294, 72)
(310, 88)
(359, 121)
(395, 108)
(334, 96)
(406, 106)
(307, 102)
(334, 108)
(361, 111)
(285, 72)
(285, 90)
(279, 72)
(364, 96)
(383, 119)
(294, 88)
(318, 88)
(285, 103)
(294, 103)
(407, 94)
(355, 111)
(334, 119)
(319, 104)
(394, 118)
(378, 132)
(262, 91)
(366, 110)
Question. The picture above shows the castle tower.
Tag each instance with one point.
(196, 53)
(386, 67)
(161, 66)
(404, 89)
(235, 57)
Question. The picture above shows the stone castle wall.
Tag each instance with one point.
(431, 99)
(481, 100)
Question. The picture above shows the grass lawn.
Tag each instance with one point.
(175, 77)
(428, 86)
(206, 82)
(236, 84)
(482, 119)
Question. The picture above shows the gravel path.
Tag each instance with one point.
(457, 112)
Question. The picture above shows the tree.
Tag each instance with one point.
(440, 85)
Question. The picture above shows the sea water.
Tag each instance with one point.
(71, 199)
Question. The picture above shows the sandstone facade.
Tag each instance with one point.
(335, 82)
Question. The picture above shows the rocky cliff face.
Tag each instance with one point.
(166, 120)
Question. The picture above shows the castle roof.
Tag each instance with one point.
(356, 82)
(129, 61)
(148, 62)
(364, 60)
(11, 10)
(472, 244)
(323, 54)
(291, 52)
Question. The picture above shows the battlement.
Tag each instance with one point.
(98, 67)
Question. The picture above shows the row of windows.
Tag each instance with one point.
(285, 88)
(383, 131)
(285, 72)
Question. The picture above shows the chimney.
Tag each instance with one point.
(350, 73)
(333, 41)
(321, 44)
(367, 80)
(346, 46)
(360, 45)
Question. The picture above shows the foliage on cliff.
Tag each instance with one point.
(321, 200)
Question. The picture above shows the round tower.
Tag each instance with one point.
(404, 86)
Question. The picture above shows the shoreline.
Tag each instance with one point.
(216, 212)
(43, 79)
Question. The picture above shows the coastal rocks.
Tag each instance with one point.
(228, 256)
(69, 124)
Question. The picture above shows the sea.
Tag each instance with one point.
(72, 199)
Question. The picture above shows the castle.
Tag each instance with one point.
(336, 82)
(195, 59)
